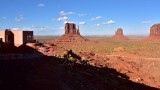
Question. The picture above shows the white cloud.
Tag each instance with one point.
(109, 22)
(68, 22)
(146, 22)
(36, 28)
(62, 13)
(97, 18)
(70, 13)
(15, 29)
(4, 17)
(82, 23)
(19, 18)
(82, 14)
(97, 25)
(62, 18)
(23, 28)
(40, 5)
(65, 22)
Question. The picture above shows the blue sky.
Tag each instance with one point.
(95, 17)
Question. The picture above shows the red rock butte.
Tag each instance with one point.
(71, 36)
(119, 35)
(155, 30)
(70, 28)
(154, 33)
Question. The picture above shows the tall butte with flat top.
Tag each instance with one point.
(154, 33)
(71, 36)
(70, 28)
(119, 35)
(155, 30)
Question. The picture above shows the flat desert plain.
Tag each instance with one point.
(137, 58)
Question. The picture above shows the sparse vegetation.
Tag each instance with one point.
(72, 59)
(106, 46)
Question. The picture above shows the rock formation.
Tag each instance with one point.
(72, 36)
(119, 35)
(155, 30)
(70, 28)
(154, 33)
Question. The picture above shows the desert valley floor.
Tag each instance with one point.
(103, 64)
(137, 58)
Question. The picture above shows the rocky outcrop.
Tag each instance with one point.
(70, 37)
(155, 30)
(154, 35)
(119, 35)
(119, 32)
(70, 28)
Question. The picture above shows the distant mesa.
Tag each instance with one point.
(70, 36)
(154, 33)
(119, 35)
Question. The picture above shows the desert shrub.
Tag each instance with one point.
(61, 46)
(71, 59)
(63, 56)
(84, 62)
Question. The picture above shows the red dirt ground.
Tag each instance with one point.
(137, 68)
(118, 70)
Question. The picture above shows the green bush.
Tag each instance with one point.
(71, 59)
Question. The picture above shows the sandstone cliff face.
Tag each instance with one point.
(155, 30)
(70, 28)
(119, 35)
(154, 34)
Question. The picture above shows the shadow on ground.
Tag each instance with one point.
(47, 73)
